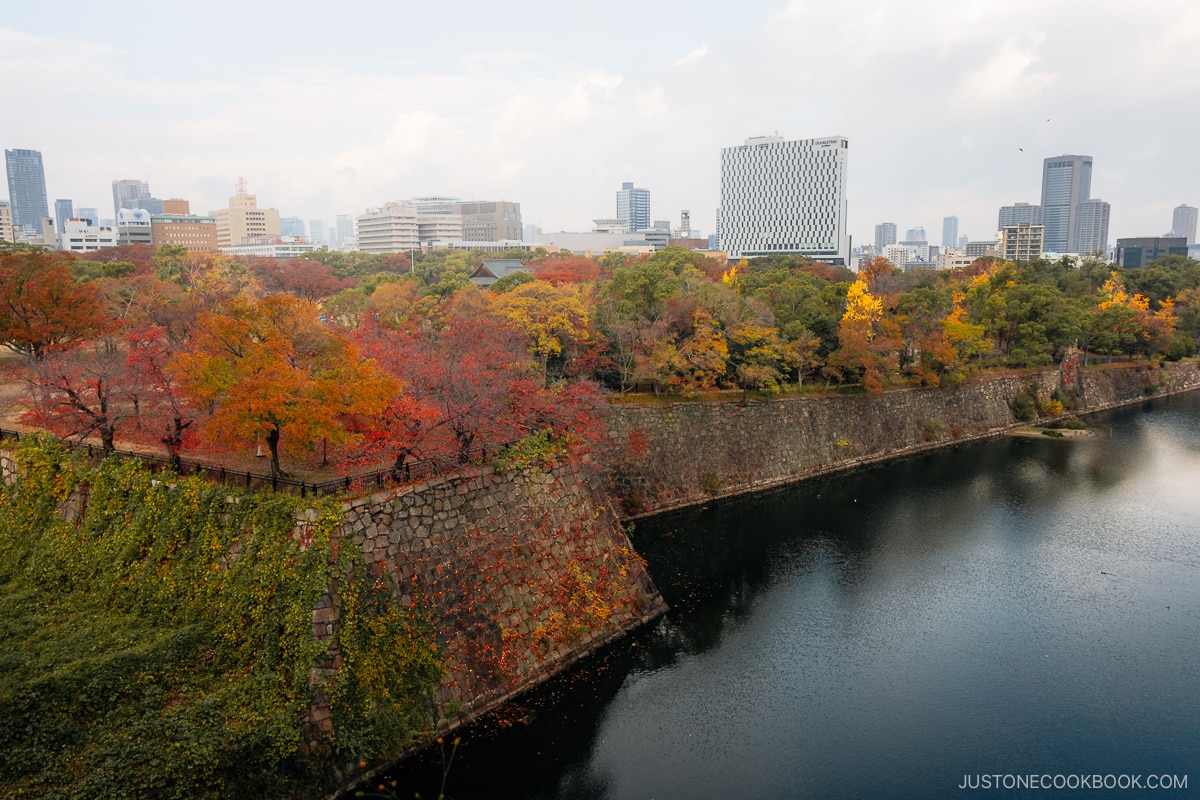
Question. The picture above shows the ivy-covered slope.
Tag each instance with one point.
(156, 640)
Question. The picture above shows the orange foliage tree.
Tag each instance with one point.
(42, 309)
(558, 270)
(269, 369)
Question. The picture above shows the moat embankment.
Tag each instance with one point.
(529, 571)
(526, 571)
(664, 457)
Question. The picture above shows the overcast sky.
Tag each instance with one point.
(330, 108)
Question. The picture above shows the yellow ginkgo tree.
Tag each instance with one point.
(868, 338)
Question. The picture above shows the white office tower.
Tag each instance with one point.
(780, 196)
(1183, 223)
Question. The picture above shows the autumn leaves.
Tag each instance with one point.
(380, 362)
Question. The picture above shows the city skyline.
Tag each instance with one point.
(555, 125)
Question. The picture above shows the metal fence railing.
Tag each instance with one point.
(409, 472)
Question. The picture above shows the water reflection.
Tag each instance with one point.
(1005, 606)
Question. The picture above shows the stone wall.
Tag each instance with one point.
(8, 467)
(527, 572)
(660, 457)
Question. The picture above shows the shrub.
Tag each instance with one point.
(932, 430)
(1050, 408)
(1023, 408)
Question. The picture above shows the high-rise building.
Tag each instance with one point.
(177, 206)
(1021, 242)
(1066, 182)
(63, 211)
(915, 236)
(1091, 227)
(89, 215)
(633, 207)
(391, 228)
(898, 254)
(26, 189)
(1183, 223)
(785, 196)
(291, 226)
(132, 193)
(316, 230)
(1017, 214)
(885, 234)
(491, 221)
(6, 226)
(949, 231)
(244, 219)
(345, 230)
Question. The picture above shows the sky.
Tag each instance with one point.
(330, 109)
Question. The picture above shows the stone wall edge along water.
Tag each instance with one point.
(664, 457)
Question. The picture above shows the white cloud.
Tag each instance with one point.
(935, 98)
(692, 57)
(1006, 77)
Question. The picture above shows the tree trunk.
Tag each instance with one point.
(173, 440)
(273, 446)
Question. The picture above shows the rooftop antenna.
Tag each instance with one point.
(241, 185)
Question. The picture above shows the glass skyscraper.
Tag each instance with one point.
(63, 211)
(1066, 182)
(949, 231)
(26, 188)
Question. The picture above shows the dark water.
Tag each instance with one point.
(1007, 607)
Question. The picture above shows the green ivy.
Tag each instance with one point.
(539, 449)
(157, 641)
